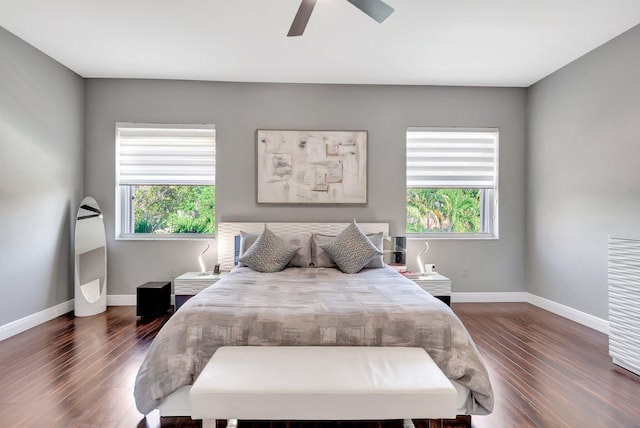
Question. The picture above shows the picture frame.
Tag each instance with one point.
(311, 167)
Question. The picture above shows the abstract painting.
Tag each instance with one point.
(311, 167)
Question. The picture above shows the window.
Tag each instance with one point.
(452, 182)
(165, 181)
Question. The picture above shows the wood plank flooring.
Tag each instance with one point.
(546, 371)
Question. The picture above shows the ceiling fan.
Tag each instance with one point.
(376, 9)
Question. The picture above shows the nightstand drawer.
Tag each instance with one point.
(435, 288)
(437, 285)
(192, 288)
(191, 283)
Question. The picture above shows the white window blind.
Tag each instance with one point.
(452, 158)
(165, 154)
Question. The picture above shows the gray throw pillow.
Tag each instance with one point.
(351, 250)
(378, 261)
(320, 258)
(302, 258)
(269, 253)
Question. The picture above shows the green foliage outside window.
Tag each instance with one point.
(174, 209)
(443, 210)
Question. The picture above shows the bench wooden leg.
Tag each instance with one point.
(208, 423)
(436, 423)
(464, 421)
(461, 421)
(408, 423)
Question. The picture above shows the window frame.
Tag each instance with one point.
(124, 209)
(489, 208)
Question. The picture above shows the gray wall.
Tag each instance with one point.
(579, 164)
(41, 177)
(238, 109)
(583, 172)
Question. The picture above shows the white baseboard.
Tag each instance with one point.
(30, 321)
(121, 299)
(518, 296)
(488, 297)
(126, 300)
(580, 317)
(598, 324)
(572, 314)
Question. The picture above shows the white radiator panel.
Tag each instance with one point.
(624, 302)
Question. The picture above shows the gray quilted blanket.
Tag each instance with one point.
(309, 306)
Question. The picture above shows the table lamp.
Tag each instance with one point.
(419, 258)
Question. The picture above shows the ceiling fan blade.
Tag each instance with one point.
(302, 17)
(377, 9)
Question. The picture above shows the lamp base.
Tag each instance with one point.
(429, 268)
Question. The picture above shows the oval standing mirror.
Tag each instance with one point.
(90, 260)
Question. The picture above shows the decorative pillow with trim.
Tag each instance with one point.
(269, 253)
(351, 250)
(320, 258)
(302, 258)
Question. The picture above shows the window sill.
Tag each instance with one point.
(172, 237)
(453, 236)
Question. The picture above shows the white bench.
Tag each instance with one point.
(321, 383)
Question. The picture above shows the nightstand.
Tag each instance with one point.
(189, 284)
(437, 285)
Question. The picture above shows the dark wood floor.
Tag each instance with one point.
(546, 371)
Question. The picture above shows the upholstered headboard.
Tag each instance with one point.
(228, 230)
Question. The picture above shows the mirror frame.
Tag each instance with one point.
(90, 267)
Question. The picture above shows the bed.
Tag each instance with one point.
(317, 306)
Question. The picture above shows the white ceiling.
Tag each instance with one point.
(431, 42)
